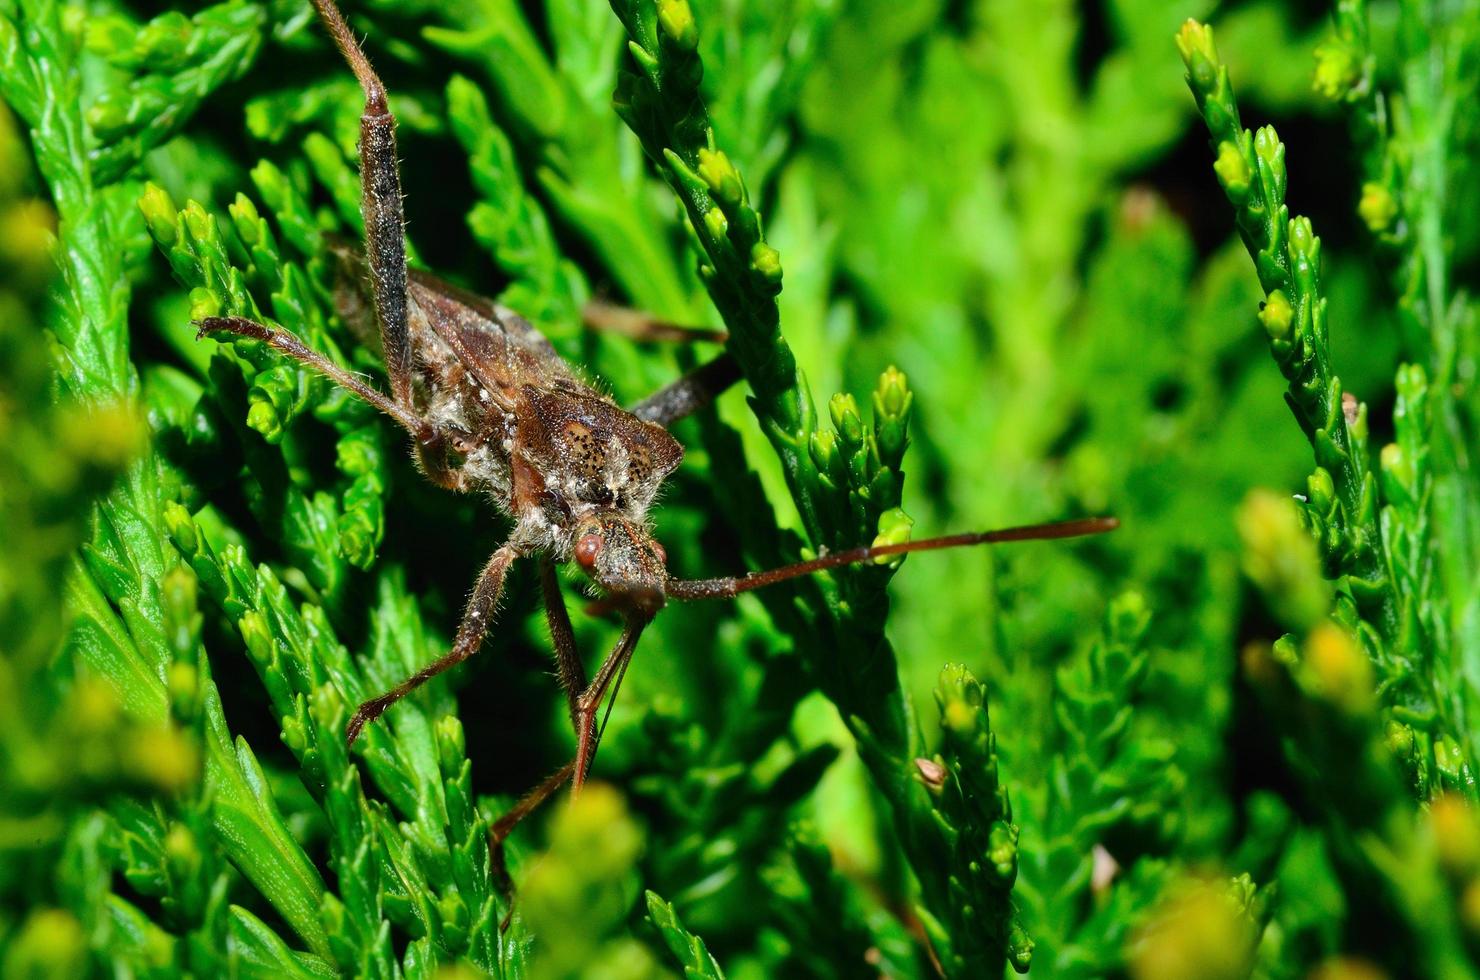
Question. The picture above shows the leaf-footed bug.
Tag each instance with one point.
(491, 407)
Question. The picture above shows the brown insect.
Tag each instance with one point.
(492, 408)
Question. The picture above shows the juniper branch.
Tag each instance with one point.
(1342, 503)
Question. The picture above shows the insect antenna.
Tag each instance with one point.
(724, 588)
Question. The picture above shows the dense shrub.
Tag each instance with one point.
(1236, 737)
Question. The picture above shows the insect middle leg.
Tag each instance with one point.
(569, 669)
(432, 440)
(583, 701)
(572, 675)
(470, 633)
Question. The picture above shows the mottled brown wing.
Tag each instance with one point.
(493, 343)
(496, 345)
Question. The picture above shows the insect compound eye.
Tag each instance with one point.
(658, 550)
(587, 549)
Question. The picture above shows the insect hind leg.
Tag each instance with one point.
(644, 327)
(380, 204)
(689, 393)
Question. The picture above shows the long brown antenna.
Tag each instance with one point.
(724, 588)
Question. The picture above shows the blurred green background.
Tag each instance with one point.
(208, 556)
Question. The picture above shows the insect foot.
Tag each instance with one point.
(364, 715)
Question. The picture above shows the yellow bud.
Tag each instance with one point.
(1196, 39)
(677, 21)
(1341, 671)
(1377, 207)
(180, 846)
(1280, 557)
(720, 175)
(596, 825)
(203, 303)
(27, 230)
(184, 684)
(1457, 835)
(1347, 968)
(1338, 69)
(50, 944)
(1399, 739)
(162, 755)
(1196, 934)
(1233, 170)
(960, 718)
(1276, 315)
(159, 210)
(716, 223)
(894, 528)
(766, 261)
(199, 222)
(894, 390)
(93, 707)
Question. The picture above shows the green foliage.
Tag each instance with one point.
(1104, 786)
(686, 948)
(1395, 609)
(976, 836)
(1238, 737)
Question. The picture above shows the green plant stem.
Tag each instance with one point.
(126, 562)
(1342, 506)
(829, 474)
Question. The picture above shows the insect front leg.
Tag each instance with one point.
(470, 633)
(380, 203)
(568, 666)
(504, 826)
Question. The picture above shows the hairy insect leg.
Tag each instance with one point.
(689, 393)
(470, 635)
(380, 203)
(504, 825)
(572, 674)
(288, 344)
(568, 666)
(584, 708)
(430, 438)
